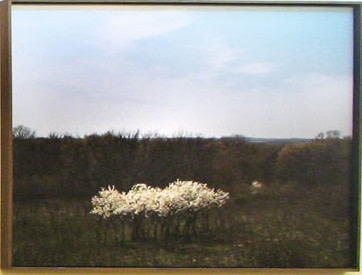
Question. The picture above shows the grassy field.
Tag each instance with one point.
(281, 226)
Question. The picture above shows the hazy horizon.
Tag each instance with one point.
(155, 134)
(210, 72)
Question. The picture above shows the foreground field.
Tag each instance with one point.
(281, 226)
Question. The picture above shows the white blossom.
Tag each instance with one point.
(177, 197)
(107, 201)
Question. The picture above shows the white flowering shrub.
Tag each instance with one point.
(194, 196)
(181, 199)
(107, 202)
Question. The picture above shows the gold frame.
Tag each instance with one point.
(6, 139)
(6, 176)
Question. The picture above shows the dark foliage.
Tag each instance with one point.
(68, 167)
(300, 218)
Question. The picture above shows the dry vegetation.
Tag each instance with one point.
(301, 217)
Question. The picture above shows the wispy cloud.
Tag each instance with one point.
(121, 31)
(222, 58)
(220, 55)
(256, 68)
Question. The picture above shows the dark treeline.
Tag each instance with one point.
(70, 167)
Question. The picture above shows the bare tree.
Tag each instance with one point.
(23, 132)
(333, 134)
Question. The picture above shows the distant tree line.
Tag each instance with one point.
(61, 166)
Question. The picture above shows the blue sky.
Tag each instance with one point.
(259, 72)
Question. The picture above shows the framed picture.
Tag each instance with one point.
(180, 134)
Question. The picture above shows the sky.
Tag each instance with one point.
(203, 71)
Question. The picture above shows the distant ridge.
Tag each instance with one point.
(278, 140)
